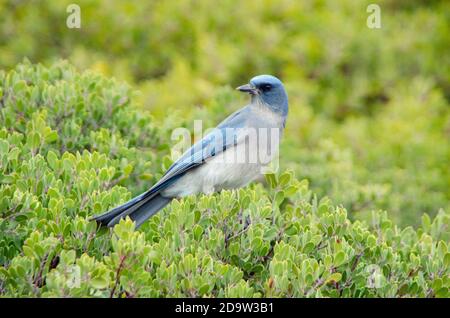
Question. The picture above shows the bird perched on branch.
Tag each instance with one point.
(229, 157)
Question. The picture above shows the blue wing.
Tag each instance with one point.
(219, 140)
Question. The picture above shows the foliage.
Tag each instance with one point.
(72, 144)
(369, 118)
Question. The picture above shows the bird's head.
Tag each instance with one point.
(269, 90)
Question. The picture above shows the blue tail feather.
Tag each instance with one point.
(139, 209)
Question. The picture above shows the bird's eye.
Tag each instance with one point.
(266, 87)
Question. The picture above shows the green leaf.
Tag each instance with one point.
(285, 178)
(290, 190)
(328, 261)
(335, 277)
(198, 232)
(339, 259)
(271, 180)
(308, 247)
(99, 282)
(127, 170)
(104, 174)
(426, 222)
(443, 292)
(371, 241)
(447, 260)
(146, 176)
(20, 86)
(34, 140)
(4, 147)
(52, 160)
(204, 289)
(51, 137)
(442, 249)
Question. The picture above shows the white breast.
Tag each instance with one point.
(234, 168)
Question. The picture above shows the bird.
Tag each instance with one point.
(226, 158)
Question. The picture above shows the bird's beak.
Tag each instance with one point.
(247, 88)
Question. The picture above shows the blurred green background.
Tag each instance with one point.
(369, 121)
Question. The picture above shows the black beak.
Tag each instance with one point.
(247, 88)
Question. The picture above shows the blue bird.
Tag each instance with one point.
(227, 158)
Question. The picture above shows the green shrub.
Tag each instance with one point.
(369, 108)
(72, 144)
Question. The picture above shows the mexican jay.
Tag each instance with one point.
(229, 157)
